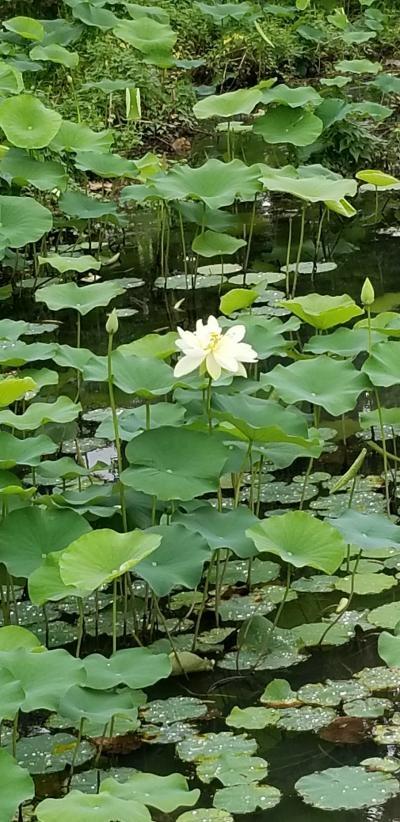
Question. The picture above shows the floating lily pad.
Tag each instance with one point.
(380, 678)
(201, 747)
(387, 734)
(370, 707)
(346, 788)
(174, 709)
(243, 799)
(278, 694)
(260, 601)
(366, 583)
(386, 764)
(232, 769)
(332, 693)
(252, 718)
(386, 616)
(81, 806)
(163, 792)
(317, 584)
(166, 734)
(283, 657)
(48, 753)
(205, 815)
(305, 719)
(311, 634)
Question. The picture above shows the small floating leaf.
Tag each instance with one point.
(346, 788)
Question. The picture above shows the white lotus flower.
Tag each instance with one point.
(210, 350)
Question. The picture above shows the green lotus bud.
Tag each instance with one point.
(367, 292)
(112, 322)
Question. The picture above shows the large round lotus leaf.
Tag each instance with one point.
(222, 529)
(313, 183)
(82, 299)
(90, 15)
(53, 53)
(45, 175)
(135, 667)
(346, 788)
(172, 564)
(105, 165)
(324, 311)
(292, 97)
(389, 648)
(63, 263)
(19, 353)
(147, 35)
(28, 534)
(386, 616)
(252, 719)
(200, 748)
(387, 323)
(262, 421)
(382, 365)
(69, 357)
(61, 411)
(163, 468)
(83, 807)
(26, 27)
(104, 555)
(80, 702)
(345, 342)
(213, 244)
(77, 137)
(367, 531)
(305, 719)
(265, 334)
(44, 676)
(371, 707)
(14, 636)
(205, 814)
(11, 80)
(13, 388)
(130, 422)
(12, 695)
(221, 11)
(229, 104)
(358, 66)
(22, 221)
(160, 346)
(77, 204)
(243, 799)
(367, 583)
(144, 376)
(315, 381)
(46, 753)
(27, 123)
(301, 540)
(16, 786)
(45, 583)
(288, 125)
(216, 183)
(166, 793)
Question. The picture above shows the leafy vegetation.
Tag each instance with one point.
(198, 467)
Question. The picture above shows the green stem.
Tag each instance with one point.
(288, 252)
(183, 241)
(81, 627)
(384, 450)
(300, 248)
(114, 616)
(116, 431)
(351, 594)
(249, 241)
(208, 404)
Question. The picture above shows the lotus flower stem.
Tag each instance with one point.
(349, 600)
(250, 238)
(318, 240)
(288, 253)
(81, 627)
(169, 635)
(183, 242)
(114, 616)
(208, 404)
(15, 735)
(76, 749)
(116, 431)
(384, 450)
(300, 249)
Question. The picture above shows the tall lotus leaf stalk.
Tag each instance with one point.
(367, 299)
(112, 328)
(300, 248)
(351, 475)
